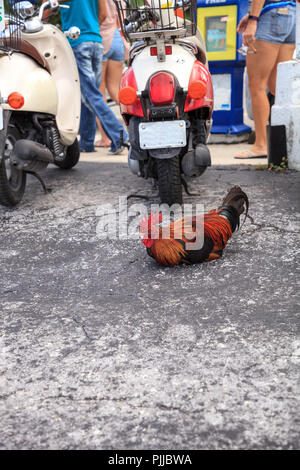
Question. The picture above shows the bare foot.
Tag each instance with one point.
(102, 143)
(258, 150)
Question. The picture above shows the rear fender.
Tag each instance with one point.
(20, 73)
(200, 72)
(164, 154)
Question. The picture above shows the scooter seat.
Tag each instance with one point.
(195, 44)
(25, 48)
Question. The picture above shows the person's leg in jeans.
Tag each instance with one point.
(87, 129)
(88, 62)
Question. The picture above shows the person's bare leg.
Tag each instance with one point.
(104, 141)
(272, 80)
(260, 66)
(104, 79)
(286, 52)
(113, 78)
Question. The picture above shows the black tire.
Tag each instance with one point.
(169, 181)
(201, 170)
(12, 180)
(72, 157)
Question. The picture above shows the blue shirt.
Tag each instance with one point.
(273, 2)
(85, 15)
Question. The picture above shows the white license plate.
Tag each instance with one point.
(162, 134)
(1, 118)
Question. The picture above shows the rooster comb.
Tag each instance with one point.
(148, 222)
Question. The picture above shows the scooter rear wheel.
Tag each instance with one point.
(12, 180)
(169, 181)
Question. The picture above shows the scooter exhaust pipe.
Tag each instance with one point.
(28, 155)
(202, 155)
(195, 160)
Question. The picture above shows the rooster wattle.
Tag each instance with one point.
(218, 226)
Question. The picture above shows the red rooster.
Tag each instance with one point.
(218, 228)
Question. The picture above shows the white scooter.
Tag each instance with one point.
(166, 94)
(40, 98)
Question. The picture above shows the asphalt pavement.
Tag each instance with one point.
(103, 349)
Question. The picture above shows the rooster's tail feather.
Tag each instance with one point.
(237, 198)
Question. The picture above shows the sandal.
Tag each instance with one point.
(248, 154)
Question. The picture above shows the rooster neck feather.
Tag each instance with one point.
(168, 252)
(217, 228)
(184, 229)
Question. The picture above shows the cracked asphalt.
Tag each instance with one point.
(103, 349)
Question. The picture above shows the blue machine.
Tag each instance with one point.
(217, 21)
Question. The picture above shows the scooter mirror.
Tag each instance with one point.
(24, 9)
(73, 32)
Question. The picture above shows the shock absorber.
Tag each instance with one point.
(54, 144)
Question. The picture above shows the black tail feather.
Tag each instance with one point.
(237, 199)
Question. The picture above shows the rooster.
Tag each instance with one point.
(218, 228)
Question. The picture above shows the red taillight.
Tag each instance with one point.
(162, 88)
(127, 95)
(15, 100)
(197, 89)
(153, 50)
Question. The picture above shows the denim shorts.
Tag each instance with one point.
(277, 27)
(117, 49)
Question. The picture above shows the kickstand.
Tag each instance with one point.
(186, 188)
(33, 173)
